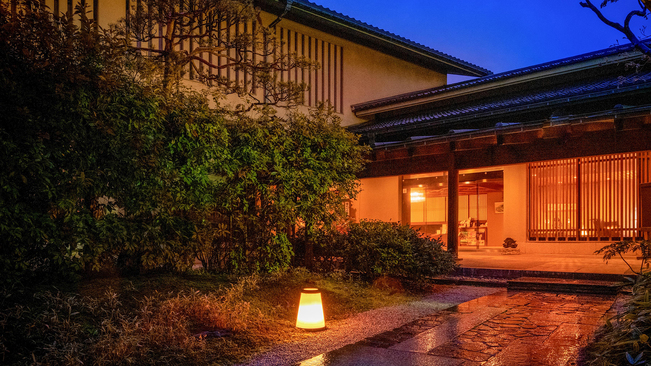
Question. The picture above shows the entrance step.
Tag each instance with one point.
(546, 284)
(574, 282)
(481, 249)
(478, 273)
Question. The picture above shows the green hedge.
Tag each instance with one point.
(376, 248)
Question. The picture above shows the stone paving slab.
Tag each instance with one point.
(561, 346)
(354, 355)
(454, 326)
(505, 328)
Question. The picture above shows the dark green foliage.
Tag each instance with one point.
(103, 164)
(377, 248)
(618, 249)
(97, 165)
(279, 173)
(327, 249)
(624, 340)
(509, 243)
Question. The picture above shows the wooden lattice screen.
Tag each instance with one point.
(592, 198)
(552, 199)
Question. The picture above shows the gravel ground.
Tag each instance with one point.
(363, 325)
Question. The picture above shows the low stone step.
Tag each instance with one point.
(470, 281)
(582, 286)
(517, 273)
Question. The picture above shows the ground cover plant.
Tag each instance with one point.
(167, 319)
(625, 338)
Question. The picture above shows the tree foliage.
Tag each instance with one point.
(106, 162)
(282, 173)
(99, 164)
(206, 40)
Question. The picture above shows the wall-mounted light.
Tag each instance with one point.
(310, 310)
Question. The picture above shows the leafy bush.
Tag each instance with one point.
(96, 164)
(624, 339)
(618, 249)
(327, 249)
(102, 165)
(377, 248)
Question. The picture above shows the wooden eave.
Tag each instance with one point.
(441, 63)
(494, 87)
(559, 139)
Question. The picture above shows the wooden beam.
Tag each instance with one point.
(591, 141)
(453, 207)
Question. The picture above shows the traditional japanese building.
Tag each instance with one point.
(556, 156)
(357, 61)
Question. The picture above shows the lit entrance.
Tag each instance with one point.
(481, 206)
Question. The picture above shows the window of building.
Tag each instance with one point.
(325, 84)
(425, 205)
(591, 198)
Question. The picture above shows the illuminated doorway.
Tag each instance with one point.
(481, 197)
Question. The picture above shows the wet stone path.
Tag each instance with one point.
(506, 328)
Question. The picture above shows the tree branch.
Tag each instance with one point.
(589, 5)
(626, 27)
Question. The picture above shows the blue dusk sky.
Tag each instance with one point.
(499, 35)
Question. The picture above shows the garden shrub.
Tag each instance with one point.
(377, 248)
(624, 339)
(327, 244)
(105, 165)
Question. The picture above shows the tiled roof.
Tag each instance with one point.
(528, 100)
(388, 36)
(492, 78)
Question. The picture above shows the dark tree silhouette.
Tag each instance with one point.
(222, 43)
(642, 11)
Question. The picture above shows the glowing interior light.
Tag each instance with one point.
(310, 310)
(417, 196)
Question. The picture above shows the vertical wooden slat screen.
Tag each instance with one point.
(609, 206)
(553, 195)
(591, 198)
(324, 84)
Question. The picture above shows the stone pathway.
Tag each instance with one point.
(505, 328)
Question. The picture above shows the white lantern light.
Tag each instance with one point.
(310, 310)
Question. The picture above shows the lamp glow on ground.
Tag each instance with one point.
(310, 310)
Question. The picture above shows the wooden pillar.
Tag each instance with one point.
(453, 207)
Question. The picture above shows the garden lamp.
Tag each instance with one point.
(310, 310)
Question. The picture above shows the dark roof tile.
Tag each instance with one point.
(495, 77)
(386, 35)
(398, 46)
(612, 83)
